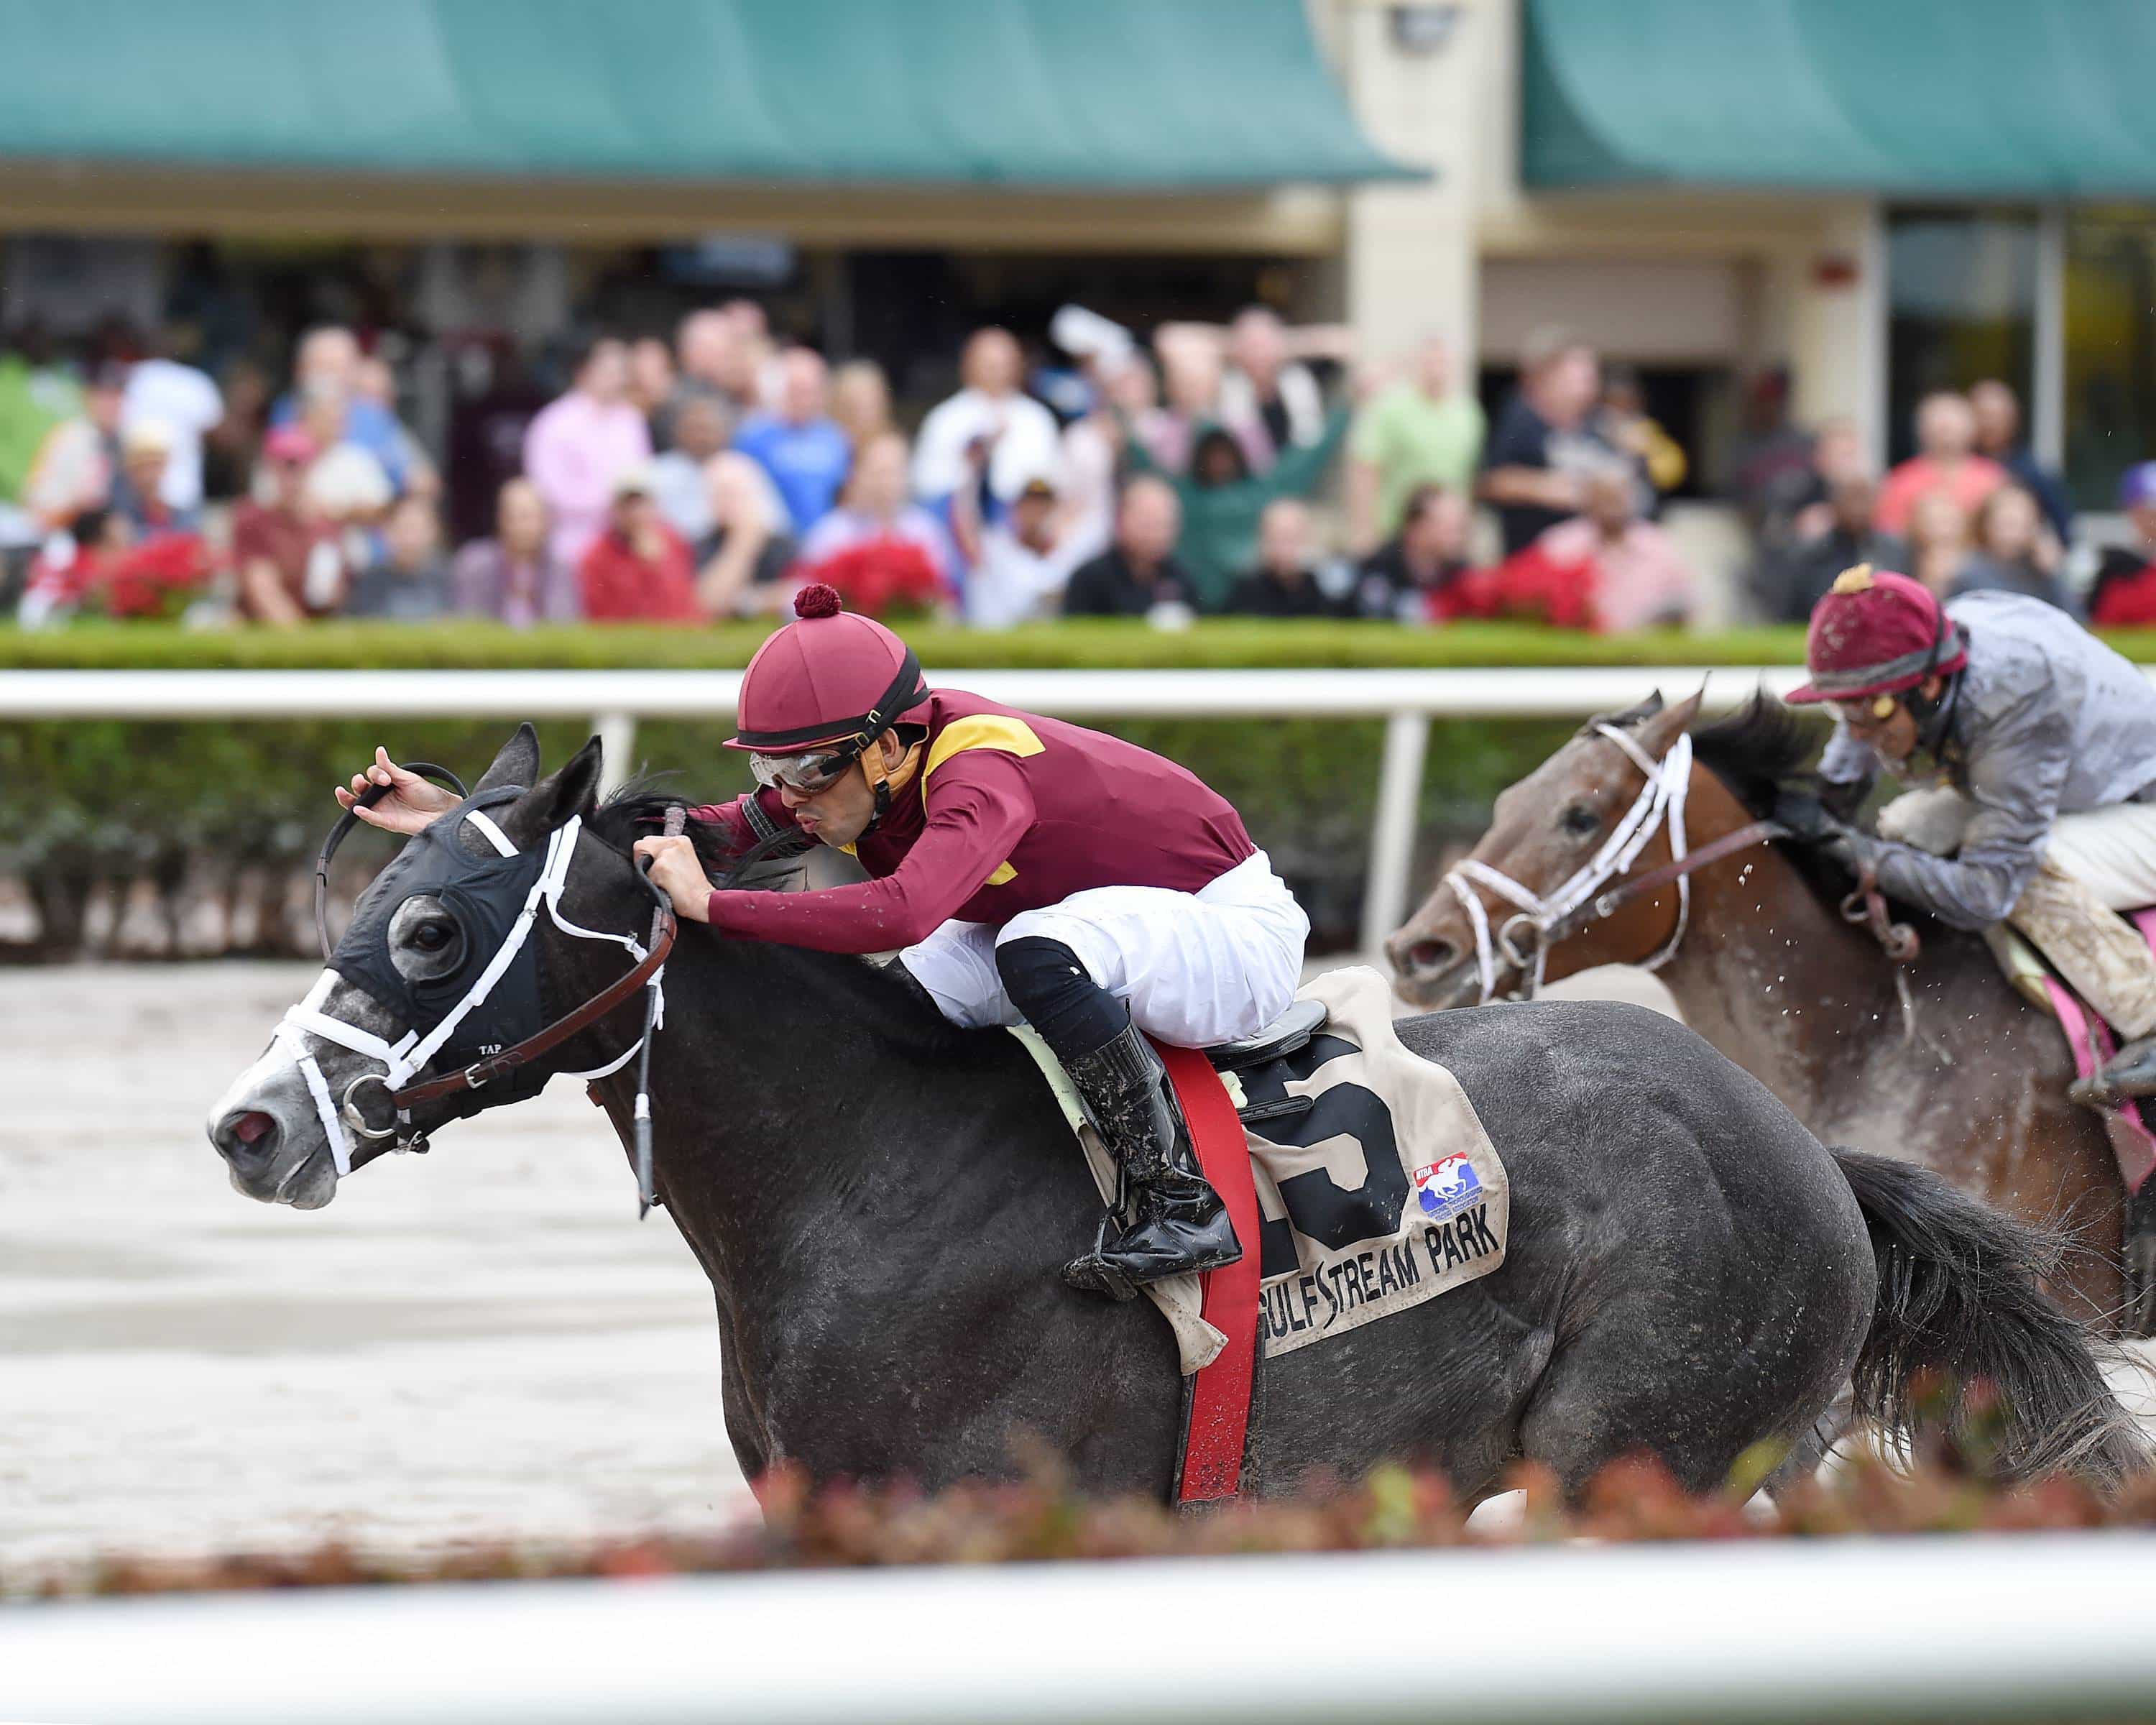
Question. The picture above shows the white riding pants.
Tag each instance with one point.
(1197, 968)
(2098, 862)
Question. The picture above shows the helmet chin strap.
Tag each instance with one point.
(885, 781)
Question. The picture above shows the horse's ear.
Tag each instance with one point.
(1627, 719)
(517, 764)
(570, 790)
(1667, 726)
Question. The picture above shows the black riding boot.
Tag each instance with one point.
(1179, 1223)
(1167, 1220)
(2130, 1072)
(2137, 1257)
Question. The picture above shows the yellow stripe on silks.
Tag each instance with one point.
(982, 731)
(1003, 875)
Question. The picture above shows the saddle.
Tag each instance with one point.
(1292, 1030)
(1288, 1035)
(2090, 1040)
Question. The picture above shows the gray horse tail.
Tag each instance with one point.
(1959, 1297)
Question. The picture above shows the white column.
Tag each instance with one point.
(1392, 828)
(1838, 334)
(1411, 255)
(616, 734)
(2047, 386)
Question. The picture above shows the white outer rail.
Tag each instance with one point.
(2036, 1627)
(613, 700)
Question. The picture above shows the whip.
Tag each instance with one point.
(677, 820)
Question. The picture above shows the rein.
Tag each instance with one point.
(1607, 904)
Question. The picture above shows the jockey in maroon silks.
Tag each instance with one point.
(1023, 868)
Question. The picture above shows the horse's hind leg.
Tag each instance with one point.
(1814, 1445)
(1693, 1386)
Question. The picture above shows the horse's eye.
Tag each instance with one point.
(1580, 820)
(434, 937)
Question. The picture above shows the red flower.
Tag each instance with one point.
(1528, 585)
(2128, 601)
(880, 576)
(155, 578)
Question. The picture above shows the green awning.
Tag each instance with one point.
(1959, 98)
(1158, 94)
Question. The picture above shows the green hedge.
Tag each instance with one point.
(1217, 644)
(1079, 643)
(1222, 643)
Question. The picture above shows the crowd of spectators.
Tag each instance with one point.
(1251, 468)
(1971, 510)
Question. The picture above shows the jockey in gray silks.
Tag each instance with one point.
(2041, 813)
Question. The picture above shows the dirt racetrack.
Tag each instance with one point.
(483, 1341)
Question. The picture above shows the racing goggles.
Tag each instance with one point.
(1868, 712)
(808, 772)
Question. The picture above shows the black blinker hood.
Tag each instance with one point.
(483, 895)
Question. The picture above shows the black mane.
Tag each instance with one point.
(1762, 753)
(638, 810)
(1759, 752)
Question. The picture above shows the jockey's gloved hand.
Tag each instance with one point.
(1809, 822)
(1854, 850)
(1806, 817)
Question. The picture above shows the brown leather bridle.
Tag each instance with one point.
(481, 1073)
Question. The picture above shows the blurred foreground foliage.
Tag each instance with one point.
(1039, 1519)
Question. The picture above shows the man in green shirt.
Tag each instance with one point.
(33, 399)
(1417, 433)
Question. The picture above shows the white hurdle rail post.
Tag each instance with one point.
(1393, 826)
(616, 731)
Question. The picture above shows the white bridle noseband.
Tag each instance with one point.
(409, 1056)
(1660, 802)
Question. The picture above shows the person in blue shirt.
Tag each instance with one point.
(1997, 412)
(328, 367)
(800, 446)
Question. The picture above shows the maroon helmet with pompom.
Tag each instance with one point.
(829, 677)
(1877, 634)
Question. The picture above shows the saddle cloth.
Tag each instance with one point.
(1383, 1191)
(2089, 1040)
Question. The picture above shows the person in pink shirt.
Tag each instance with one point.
(1945, 461)
(1636, 576)
(581, 444)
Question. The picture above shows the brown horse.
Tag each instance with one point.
(1967, 1079)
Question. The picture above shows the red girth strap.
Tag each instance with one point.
(1221, 1393)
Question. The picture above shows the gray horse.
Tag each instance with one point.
(1689, 1272)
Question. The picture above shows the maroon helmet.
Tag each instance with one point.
(830, 678)
(1877, 634)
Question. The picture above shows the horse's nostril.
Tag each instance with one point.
(1425, 956)
(247, 1137)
